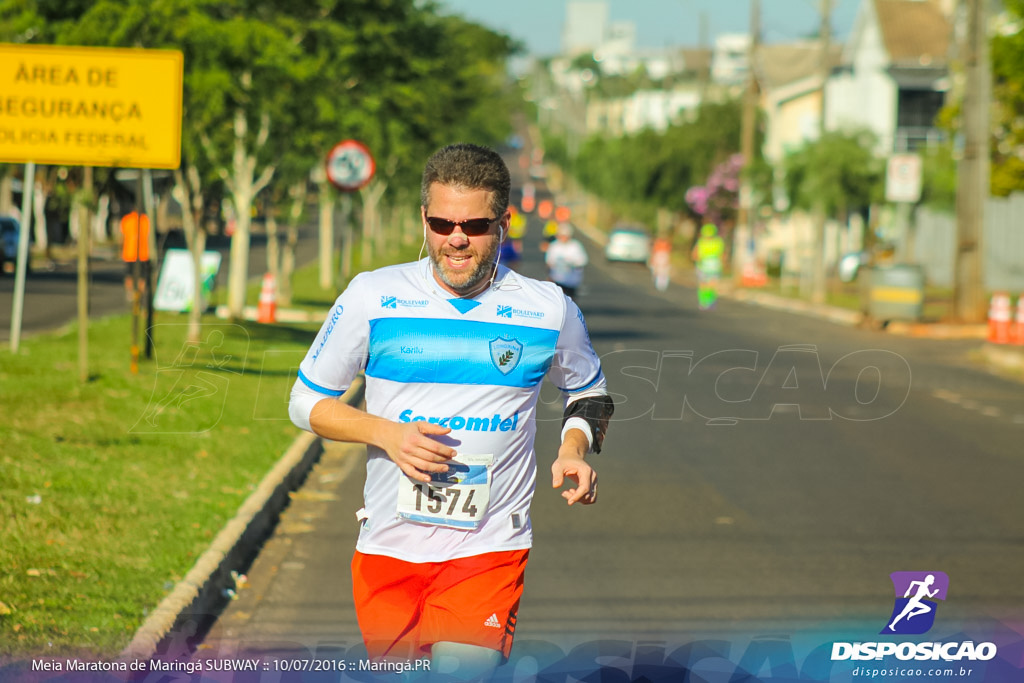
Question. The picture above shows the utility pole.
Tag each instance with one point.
(704, 73)
(973, 176)
(748, 124)
(825, 63)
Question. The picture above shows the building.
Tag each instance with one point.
(585, 28)
(730, 59)
(790, 78)
(894, 73)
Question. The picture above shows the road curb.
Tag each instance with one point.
(1008, 357)
(281, 315)
(201, 594)
(841, 316)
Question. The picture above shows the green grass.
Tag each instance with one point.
(111, 489)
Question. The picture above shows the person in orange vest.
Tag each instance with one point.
(135, 247)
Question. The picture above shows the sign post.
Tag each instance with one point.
(27, 188)
(903, 188)
(350, 167)
(86, 106)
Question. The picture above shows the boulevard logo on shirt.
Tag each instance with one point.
(394, 302)
(506, 354)
(509, 311)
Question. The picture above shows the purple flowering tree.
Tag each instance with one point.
(717, 200)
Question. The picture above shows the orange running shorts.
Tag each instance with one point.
(405, 607)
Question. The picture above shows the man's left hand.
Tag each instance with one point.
(570, 464)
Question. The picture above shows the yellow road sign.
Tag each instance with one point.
(89, 106)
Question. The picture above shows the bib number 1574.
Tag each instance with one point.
(456, 498)
(434, 499)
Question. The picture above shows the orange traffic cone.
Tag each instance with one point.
(267, 311)
(1017, 332)
(999, 319)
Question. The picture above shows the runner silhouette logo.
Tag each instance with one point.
(916, 593)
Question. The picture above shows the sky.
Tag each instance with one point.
(659, 23)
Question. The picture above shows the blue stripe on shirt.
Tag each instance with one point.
(317, 388)
(445, 351)
(586, 386)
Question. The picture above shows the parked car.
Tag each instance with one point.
(628, 243)
(9, 231)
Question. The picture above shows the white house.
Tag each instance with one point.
(894, 73)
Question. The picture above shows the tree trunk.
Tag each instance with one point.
(326, 202)
(284, 286)
(100, 232)
(273, 246)
(195, 312)
(297, 196)
(373, 239)
(39, 217)
(191, 201)
(6, 195)
(244, 186)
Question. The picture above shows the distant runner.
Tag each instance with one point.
(708, 254)
(565, 259)
(661, 263)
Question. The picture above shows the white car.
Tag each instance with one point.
(628, 243)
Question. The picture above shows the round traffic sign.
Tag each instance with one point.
(350, 165)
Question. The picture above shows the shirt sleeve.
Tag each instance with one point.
(575, 369)
(340, 349)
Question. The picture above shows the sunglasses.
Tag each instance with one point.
(472, 227)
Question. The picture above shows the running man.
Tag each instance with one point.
(454, 348)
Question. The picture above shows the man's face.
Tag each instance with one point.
(461, 262)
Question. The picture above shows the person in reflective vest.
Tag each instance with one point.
(708, 254)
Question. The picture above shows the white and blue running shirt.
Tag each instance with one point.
(474, 365)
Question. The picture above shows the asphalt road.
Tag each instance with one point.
(763, 476)
(51, 294)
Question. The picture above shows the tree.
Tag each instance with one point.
(271, 86)
(1007, 52)
(837, 172)
(651, 170)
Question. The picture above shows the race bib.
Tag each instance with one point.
(457, 498)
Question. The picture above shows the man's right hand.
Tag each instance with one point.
(411, 447)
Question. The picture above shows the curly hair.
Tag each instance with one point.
(471, 167)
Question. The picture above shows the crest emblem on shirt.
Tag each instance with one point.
(506, 354)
